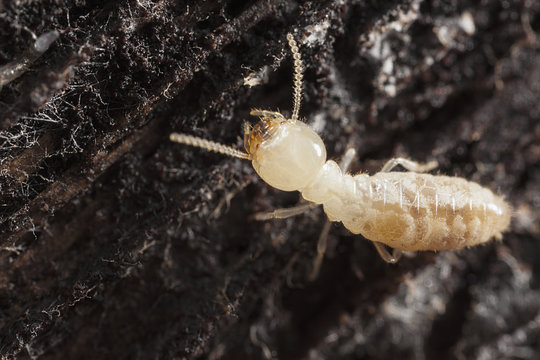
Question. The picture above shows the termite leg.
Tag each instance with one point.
(285, 213)
(321, 249)
(386, 256)
(345, 163)
(347, 159)
(409, 165)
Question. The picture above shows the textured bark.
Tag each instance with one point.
(116, 243)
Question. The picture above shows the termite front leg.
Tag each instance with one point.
(285, 212)
(385, 255)
(409, 165)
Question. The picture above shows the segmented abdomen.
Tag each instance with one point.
(412, 211)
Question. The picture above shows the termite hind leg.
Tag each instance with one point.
(409, 165)
(386, 256)
(321, 249)
(285, 213)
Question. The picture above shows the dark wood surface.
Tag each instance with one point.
(117, 244)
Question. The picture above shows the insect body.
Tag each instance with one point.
(410, 211)
(405, 211)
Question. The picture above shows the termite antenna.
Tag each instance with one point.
(298, 75)
(208, 145)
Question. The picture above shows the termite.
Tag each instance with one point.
(406, 211)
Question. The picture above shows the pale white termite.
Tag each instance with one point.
(403, 210)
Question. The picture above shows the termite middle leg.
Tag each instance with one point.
(409, 165)
(347, 159)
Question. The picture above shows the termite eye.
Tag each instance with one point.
(289, 158)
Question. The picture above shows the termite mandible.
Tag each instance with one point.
(407, 211)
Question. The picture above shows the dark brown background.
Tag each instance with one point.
(117, 244)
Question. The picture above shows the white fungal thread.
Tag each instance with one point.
(404, 210)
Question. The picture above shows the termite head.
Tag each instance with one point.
(286, 154)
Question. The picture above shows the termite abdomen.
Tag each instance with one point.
(411, 211)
